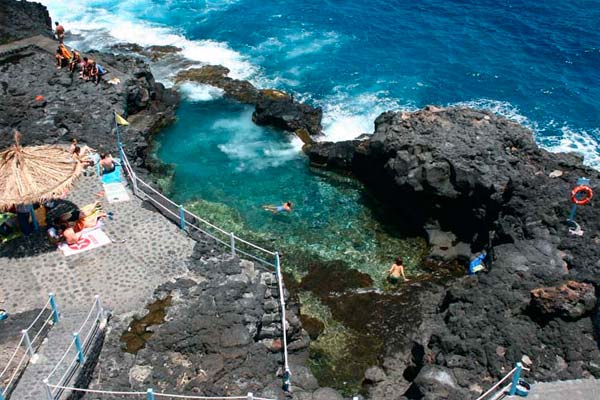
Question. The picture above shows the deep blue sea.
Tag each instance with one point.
(535, 62)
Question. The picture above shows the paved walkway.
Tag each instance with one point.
(580, 389)
(146, 251)
(59, 338)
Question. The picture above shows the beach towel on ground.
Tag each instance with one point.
(115, 192)
(113, 177)
(91, 239)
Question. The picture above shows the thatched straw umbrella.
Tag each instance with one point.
(35, 174)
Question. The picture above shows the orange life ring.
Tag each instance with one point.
(582, 189)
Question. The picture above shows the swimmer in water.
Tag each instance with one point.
(285, 207)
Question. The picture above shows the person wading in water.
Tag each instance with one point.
(396, 271)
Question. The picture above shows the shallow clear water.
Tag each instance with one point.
(220, 156)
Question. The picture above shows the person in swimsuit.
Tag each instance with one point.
(285, 207)
(75, 61)
(60, 32)
(396, 271)
(60, 59)
(107, 163)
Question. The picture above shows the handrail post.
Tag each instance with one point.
(515, 380)
(99, 305)
(48, 391)
(150, 394)
(27, 342)
(80, 355)
(250, 396)
(181, 218)
(232, 242)
(1, 395)
(286, 378)
(55, 314)
(277, 264)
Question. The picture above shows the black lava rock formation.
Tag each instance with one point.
(482, 179)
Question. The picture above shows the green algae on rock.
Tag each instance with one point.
(137, 334)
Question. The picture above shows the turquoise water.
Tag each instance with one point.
(221, 157)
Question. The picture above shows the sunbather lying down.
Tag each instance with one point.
(88, 218)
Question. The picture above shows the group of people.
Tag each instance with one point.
(89, 69)
(85, 155)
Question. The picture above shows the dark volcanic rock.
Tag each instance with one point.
(273, 107)
(483, 179)
(212, 341)
(571, 300)
(73, 108)
(22, 19)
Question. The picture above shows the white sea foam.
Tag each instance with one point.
(346, 116)
(199, 92)
(100, 24)
(249, 149)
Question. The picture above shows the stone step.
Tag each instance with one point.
(580, 389)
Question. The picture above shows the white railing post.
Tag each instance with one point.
(250, 396)
(48, 391)
(27, 342)
(99, 305)
(55, 314)
(181, 218)
(232, 243)
(133, 182)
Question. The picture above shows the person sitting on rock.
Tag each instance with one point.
(107, 163)
(94, 73)
(75, 61)
(86, 68)
(287, 207)
(60, 58)
(396, 271)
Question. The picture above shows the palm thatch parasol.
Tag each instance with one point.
(35, 173)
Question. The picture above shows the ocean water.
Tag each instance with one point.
(535, 62)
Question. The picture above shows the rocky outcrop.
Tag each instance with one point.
(481, 179)
(22, 19)
(72, 108)
(571, 300)
(221, 335)
(273, 107)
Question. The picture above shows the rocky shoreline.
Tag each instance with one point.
(466, 179)
(473, 178)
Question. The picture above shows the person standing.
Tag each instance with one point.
(59, 31)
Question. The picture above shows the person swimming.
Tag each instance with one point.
(285, 207)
